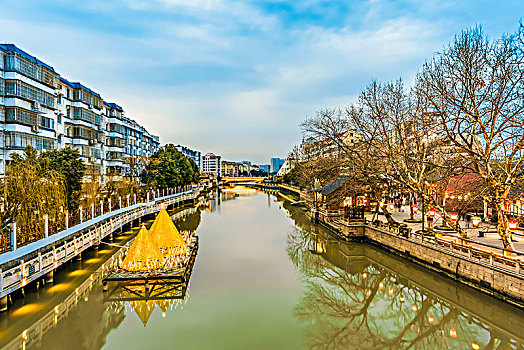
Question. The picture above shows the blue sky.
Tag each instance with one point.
(237, 77)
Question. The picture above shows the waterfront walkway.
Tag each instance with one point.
(491, 237)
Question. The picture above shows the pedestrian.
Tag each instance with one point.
(468, 220)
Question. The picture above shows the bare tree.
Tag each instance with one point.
(476, 88)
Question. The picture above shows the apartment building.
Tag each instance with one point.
(230, 168)
(27, 103)
(38, 107)
(211, 164)
(115, 142)
(81, 116)
(328, 148)
(189, 153)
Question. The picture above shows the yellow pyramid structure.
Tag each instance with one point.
(166, 236)
(143, 255)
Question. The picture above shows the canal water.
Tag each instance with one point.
(265, 278)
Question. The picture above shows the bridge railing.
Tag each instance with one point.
(42, 227)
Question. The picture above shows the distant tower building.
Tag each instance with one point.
(276, 163)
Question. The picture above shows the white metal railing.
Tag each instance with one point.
(74, 243)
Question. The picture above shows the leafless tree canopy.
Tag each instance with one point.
(464, 115)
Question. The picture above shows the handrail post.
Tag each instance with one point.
(491, 258)
(46, 226)
(13, 235)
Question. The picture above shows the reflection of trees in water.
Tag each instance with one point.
(189, 222)
(374, 308)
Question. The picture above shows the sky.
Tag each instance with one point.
(237, 78)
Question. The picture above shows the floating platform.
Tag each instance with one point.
(181, 274)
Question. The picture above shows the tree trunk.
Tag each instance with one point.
(411, 214)
(445, 217)
(502, 226)
(388, 215)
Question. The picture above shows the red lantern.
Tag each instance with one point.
(431, 319)
(512, 226)
(432, 213)
(453, 333)
(454, 217)
(476, 221)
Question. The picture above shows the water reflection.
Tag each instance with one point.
(143, 298)
(70, 315)
(357, 296)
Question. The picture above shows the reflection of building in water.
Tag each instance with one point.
(358, 296)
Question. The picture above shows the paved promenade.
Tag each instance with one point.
(491, 236)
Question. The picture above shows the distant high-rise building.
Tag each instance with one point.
(265, 167)
(276, 163)
(248, 162)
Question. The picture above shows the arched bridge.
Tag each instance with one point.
(227, 180)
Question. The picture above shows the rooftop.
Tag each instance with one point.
(77, 85)
(13, 48)
(114, 106)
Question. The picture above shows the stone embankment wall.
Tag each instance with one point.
(499, 282)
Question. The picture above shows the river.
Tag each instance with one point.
(265, 278)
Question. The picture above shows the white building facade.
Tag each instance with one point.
(40, 108)
(211, 164)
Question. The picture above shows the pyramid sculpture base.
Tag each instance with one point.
(179, 274)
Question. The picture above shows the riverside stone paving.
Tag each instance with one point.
(491, 236)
